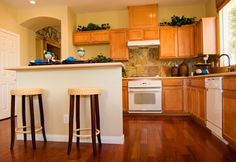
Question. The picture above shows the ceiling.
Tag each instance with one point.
(81, 6)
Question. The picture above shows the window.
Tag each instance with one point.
(228, 32)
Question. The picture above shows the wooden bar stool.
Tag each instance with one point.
(95, 119)
(27, 92)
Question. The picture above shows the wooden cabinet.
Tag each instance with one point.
(125, 95)
(168, 40)
(118, 44)
(81, 38)
(142, 16)
(172, 95)
(91, 37)
(143, 34)
(197, 99)
(205, 36)
(229, 110)
(186, 41)
(177, 42)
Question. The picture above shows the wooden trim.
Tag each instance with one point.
(220, 4)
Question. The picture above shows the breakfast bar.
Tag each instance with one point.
(56, 79)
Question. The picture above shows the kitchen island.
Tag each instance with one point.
(56, 79)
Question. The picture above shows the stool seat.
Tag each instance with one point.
(84, 91)
(26, 91)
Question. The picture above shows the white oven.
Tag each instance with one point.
(145, 96)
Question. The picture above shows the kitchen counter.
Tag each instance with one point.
(196, 76)
(56, 79)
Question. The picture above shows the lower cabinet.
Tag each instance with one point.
(197, 103)
(172, 99)
(125, 95)
(229, 116)
(172, 95)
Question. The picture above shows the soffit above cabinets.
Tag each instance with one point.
(97, 5)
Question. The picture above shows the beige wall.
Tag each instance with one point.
(211, 8)
(8, 22)
(166, 12)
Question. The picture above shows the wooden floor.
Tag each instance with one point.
(147, 139)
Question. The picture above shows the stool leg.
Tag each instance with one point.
(31, 105)
(78, 117)
(12, 121)
(98, 119)
(42, 116)
(71, 115)
(93, 124)
(23, 117)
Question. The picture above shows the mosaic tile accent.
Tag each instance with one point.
(145, 62)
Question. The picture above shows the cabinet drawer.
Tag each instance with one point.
(172, 82)
(229, 83)
(198, 82)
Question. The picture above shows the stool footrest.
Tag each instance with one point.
(20, 129)
(84, 135)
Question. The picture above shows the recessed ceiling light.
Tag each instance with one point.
(32, 2)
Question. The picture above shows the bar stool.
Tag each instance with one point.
(95, 119)
(30, 93)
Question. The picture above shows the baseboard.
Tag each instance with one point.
(64, 138)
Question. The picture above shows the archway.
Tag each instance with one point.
(48, 35)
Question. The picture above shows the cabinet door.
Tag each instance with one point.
(125, 98)
(195, 106)
(81, 38)
(198, 38)
(189, 100)
(202, 104)
(118, 44)
(168, 41)
(172, 99)
(229, 116)
(151, 33)
(142, 16)
(186, 41)
(136, 34)
(100, 36)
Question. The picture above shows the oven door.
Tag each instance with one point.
(144, 99)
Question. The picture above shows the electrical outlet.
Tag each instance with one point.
(66, 118)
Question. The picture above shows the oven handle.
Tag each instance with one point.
(144, 90)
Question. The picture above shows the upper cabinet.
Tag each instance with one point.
(143, 33)
(118, 44)
(143, 16)
(205, 36)
(168, 41)
(177, 42)
(91, 37)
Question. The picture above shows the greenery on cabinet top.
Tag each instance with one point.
(92, 26)
(179, 21)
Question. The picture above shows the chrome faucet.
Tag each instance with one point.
(229, 67)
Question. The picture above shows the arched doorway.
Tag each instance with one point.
(47, 35)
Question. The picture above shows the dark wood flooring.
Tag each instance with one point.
(147, 139)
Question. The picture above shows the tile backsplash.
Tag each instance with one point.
(145, 62)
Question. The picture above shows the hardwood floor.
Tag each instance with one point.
(147, 139)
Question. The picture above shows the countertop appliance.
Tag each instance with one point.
(213, 86)
(145, 96)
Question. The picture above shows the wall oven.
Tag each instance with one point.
(145, 96)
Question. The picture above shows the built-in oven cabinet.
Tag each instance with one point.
(125, 95)
(172, 95)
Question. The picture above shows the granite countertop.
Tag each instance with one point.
(197, 76)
